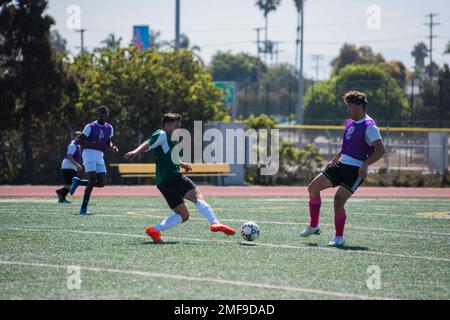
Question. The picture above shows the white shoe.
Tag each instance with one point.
(309, 231)
(336, 242)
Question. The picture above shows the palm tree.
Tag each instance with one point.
(112, 42)
(155, 41)
(185, 43)
(447, 48)
(267, 6)
(420, 52)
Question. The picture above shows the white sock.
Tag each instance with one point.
(169, 222)
(206, 211)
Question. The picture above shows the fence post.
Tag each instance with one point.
(387, 156)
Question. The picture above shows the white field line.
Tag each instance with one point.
(329, 199)
(134, 214)
(286, 208)
(349, 226)
(260, 244)
(201, 279)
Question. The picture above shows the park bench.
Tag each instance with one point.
(148, 170)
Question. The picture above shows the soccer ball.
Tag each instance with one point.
(250, 231)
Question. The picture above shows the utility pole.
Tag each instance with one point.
(431, 24)
(258, 51)
(317, 58)
(301, 84)
(177, 24)
(276, 51)
(81, 31)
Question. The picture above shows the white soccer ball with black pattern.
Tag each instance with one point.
(250, 231)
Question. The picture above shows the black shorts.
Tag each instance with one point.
(175, 189)
(344, 175)
(68, 174)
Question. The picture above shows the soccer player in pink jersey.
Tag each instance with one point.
(361, 146)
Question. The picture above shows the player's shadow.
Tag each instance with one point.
(353, 248)
(159, 244)
(344, 248)
(309, 244)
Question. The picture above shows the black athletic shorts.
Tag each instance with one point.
(344, 175)
(175, 189)
(68, 174)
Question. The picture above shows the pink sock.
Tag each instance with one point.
(339, 222)
(314, 210)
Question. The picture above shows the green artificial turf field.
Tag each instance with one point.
(406, 242)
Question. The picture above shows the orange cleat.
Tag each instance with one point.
(222, 228)
(154, 234)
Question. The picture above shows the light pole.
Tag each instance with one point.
(301, 84)
(177, 24)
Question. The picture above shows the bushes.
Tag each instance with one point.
(411, 179)
(297, 165)
(138, 86)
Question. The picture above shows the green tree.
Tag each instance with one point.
(226, 66)
(432, 70)
(140, 85)
(32, 78)
(426, 104)
(387, 104)
(112, 42)
(397, 70)
(351, 54)
(58, 42)
(282, 85)
(444, 97)
(431, 108)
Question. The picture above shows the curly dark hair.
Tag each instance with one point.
(170, 117)
(102, 109)
(355, 97)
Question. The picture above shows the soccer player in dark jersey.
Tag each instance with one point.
(174, 186)
(70, 167)
(362, 146)
(95, 138)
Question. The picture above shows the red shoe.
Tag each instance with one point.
(154, 234)
(222, 228)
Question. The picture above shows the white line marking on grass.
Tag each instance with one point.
(27, 200)
(349, 226)
(349, 251)
(201, 279)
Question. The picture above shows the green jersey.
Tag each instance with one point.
(162, 145)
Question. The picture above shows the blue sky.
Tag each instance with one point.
(230, 25)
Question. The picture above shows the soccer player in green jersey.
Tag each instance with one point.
(174, 186)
